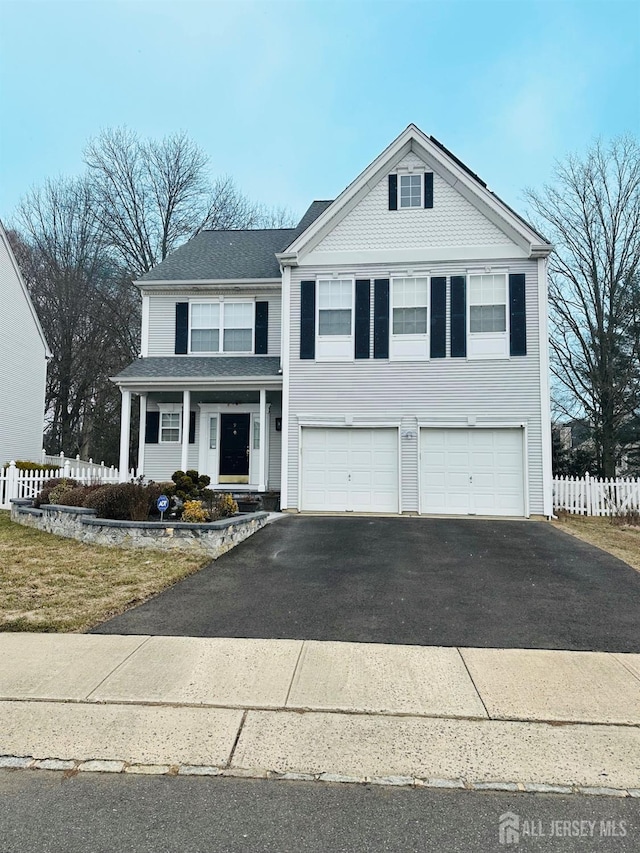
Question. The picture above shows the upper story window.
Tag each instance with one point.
(222, 326)
(335, 319)
(487, 303)
(409, 318)
(488, 330)
(411, 190)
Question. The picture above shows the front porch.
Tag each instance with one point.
(229, 429)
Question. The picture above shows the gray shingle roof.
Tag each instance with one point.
(239, 254)
(196, 367)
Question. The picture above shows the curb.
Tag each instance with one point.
(72, 767)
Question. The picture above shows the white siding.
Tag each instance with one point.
(162, 317)
(453, 221)
(161, 460)
(440, 390)
(23, 369)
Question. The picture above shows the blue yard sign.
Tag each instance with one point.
(162, 504)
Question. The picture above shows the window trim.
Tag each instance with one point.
(170, 409)
(329, 339)
(221, 302)
(488, 336)
(420, 338)
(413, 174)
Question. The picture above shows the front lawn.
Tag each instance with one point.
(622, 542)
(48, 583)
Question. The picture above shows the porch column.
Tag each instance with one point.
(141, 433)
(125, 431)
(262, 486)
(186, 416)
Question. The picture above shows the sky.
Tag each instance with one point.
(294, 99)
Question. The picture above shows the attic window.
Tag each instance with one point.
(410, 190)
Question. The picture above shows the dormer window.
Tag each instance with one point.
(410, 190)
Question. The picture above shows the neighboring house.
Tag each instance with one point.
(23, 364)
(389, 354)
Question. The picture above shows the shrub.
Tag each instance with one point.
(24, 465)
(124, 501)
(189, 485)
(110, 502)
(77, 495)
(194, 512)
(220, 504)
(44, 496)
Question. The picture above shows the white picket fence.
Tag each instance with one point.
(17, 484)
(61, 460)
(591, 496)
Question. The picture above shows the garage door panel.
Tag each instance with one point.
(472, 471)
(360, 465)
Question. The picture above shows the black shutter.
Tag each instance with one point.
(152, 428)
(182, 327)
(393, 192)
(458, 316)
(381, 318)
(192, 427)
(517, 315)
(438, 317)
(428, 189)
(262, 327)
(363, 317)
(307, 319)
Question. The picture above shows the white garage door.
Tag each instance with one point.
(472, 471)
(349, 469)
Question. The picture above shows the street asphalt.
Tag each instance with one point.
(415, 581)
(45, 812)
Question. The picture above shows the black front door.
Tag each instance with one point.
(234, 448)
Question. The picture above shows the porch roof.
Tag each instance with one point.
(200, 368)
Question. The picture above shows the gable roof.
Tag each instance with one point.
(5, 240)
(231, 255)
(449, 167)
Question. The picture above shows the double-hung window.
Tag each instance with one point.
(409, 318)
(411, 190)
(335, 319)
(488, 332)
(222, 327)
(205, 327)
(170, 427)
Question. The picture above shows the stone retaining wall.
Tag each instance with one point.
(79, 523)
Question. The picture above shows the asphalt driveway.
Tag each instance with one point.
(423, 581)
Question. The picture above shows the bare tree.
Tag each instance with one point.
(88, 309)
(591, 212)
(154, 195)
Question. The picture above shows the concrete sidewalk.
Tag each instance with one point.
(510, 719)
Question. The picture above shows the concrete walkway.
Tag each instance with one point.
(513, 719)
